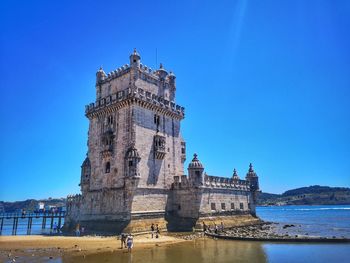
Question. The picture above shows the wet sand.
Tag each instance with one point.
(171, 249)
(35, 247)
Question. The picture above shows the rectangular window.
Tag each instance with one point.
(223, 206)
(232, 206)
(213, 207)
(249, 206)
(241, 206)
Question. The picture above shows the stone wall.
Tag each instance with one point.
(99, 154)
(155, 172)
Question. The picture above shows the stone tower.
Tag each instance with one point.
(134, 129)
(253, 180)
(133, 174)
(134, 143)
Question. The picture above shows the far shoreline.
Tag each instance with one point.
(302, 205)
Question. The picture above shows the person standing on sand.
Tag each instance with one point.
(204, 227)
(152, 230)
(130, 242)
(157, 231)
(123, 237)
(77, 230)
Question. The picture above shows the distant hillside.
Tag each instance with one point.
(30, 204)
(312, 195)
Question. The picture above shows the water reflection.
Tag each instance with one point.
(203, 250)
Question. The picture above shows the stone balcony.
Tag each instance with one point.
(159, 146)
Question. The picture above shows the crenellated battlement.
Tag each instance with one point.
(73, 200)
(224, 182)
(115, 74)
(136, 95)
(145, 73)
(183, 182)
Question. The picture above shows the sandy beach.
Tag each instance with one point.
(12, 247)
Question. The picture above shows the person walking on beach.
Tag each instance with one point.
(123, 237)
(152, 230)
(55, 228)
(157, 231)
(77, 230)
(216, 228)
(130, 242)
(204, 227)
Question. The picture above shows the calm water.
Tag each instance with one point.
(315, 220)
(318, 220)
(23, 223)
(219, 251)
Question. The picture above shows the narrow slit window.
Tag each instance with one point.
(108, 167)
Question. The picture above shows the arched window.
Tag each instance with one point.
(108, 167)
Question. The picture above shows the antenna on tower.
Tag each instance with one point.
(156, 58)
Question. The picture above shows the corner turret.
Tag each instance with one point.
(253, 179)
(161, 72)
(235, 175)
(85, 175)
(100, 75)
(172, 85)
(195, 172)
(135, 59)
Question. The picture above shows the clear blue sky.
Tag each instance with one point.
(266, 82)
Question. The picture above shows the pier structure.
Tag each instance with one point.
(47, 217)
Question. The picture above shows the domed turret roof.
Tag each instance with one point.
(101, 72)
(132, 153)
(195, 164)
(135, 54)
(162, 73)
(235, 175)
(251, 172)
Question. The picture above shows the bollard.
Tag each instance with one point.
(44, 222)
(29, 227)
(59, 221)
(14, 227)
(1, 225)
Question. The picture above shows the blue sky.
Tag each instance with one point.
(266, 82)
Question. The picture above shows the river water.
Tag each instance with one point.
(206, 250)
(315, 220)
(320, 220)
